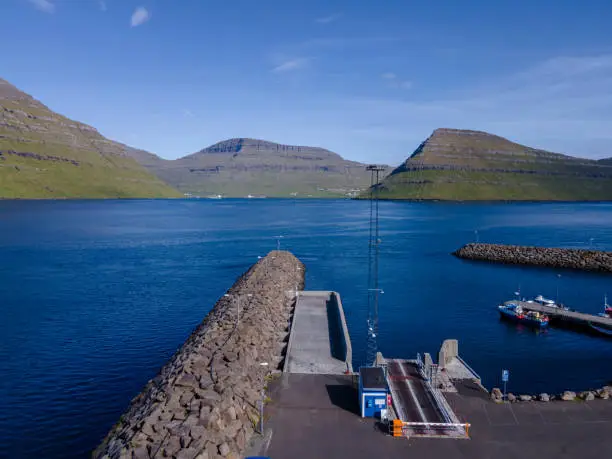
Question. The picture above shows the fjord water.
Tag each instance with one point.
(95, 296)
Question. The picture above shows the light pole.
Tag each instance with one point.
(278, 242)
(557, 298)
(477, 237)
(237, 298)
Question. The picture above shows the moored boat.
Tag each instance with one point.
(516, 313)
(548, 302)
(601, 330)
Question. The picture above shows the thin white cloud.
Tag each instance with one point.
(563, 104)
(394, 81)
(140, 16)
(328, 19)
(291, 65)
(188, 113)
(102, 5)
(46, 6)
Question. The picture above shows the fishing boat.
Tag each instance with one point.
(548, 302)
(601, 330)
(516, 313)
(545, 301)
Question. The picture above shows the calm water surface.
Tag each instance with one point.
(96, 296)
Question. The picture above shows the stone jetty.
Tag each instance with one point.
(586, 260)
(204, 403)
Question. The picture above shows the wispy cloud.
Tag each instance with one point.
(341, 43)
(188, 113)
(102, 5)
(561, 104)
(292, 65)
(394, 81)
(46, 6)
(140, 16)
(328, 19)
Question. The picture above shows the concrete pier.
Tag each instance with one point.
(319, 342)
(562, 316)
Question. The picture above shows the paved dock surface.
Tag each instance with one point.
(411, 398)
(315, 336)
(317, 416)
(560, 313)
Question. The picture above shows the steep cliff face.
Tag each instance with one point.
(455, 164)
(46, 155)
(242, 166)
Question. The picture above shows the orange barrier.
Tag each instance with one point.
(396, 428)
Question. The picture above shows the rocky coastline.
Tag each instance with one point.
(581, 259)
(204, 403)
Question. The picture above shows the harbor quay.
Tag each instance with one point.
(269, 373)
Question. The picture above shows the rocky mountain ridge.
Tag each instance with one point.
(244, 166)
(455, 164)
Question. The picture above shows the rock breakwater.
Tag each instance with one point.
(567, 396)
(204, 403)
(586, 260)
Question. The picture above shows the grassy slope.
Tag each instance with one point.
(102, 170)
(488, 167)
(261, 168)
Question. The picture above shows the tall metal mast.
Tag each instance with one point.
(373, 255)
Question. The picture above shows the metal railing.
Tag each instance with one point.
(439, 399)
(476, 375)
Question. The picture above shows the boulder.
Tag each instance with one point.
(140, 453)
(224, 449)
(511, 397)
(187, 453)
(544, 397)
(568, 396)
(602, 394)
(496, 394)
(187, 380)
(525, 398)
(587, 396)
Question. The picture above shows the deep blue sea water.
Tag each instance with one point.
(95, 296)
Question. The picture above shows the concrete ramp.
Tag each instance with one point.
(319, 342)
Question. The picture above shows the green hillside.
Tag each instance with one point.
(457, 164)
(242, 167)
(45, 155)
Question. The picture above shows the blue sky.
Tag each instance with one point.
(369, 80)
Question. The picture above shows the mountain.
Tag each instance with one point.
(242, 166)
(455, 164)
(46, 155)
